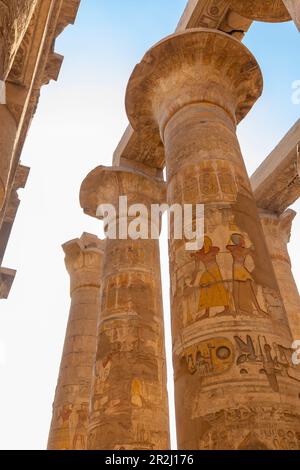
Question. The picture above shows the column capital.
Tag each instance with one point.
(280, 225)
(196, 66)
(104, 185)
(272, 11)
(83, 258)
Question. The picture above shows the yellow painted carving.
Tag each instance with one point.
(136, 393)
(210, 357)
(213, 292)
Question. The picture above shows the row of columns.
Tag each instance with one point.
(236, 386)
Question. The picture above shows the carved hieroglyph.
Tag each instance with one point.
(262, 10)
(277, 230)
(129, 404)
(15, 16)
(231, 339)
(70, 408)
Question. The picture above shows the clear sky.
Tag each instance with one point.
(78, 124)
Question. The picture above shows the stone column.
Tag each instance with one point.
(70, 408)
(277, 230)
(15, 16)
(129, 404)
(235, 383)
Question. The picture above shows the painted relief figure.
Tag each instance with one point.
(65, 412)
(213, 293)
(243, 283)
(79, 440)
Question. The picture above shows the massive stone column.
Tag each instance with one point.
(70, 408)
(277, 230)
(235, 383)
(129, 404)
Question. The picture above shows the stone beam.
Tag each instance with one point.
(214, 14)
(7, 277)
(293, 6)
(15, 18)
(33, 63)
(276, 182)
(12, 208)
(270, 11)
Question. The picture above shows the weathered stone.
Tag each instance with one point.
(8, 130)
(217, 14)
(262, 10)
(276, 182)
(15, 16)
(7, 277)
(277, 230)
(235, 382)
(28, 29)
(70, 408)
(293, 7)
(129, 404)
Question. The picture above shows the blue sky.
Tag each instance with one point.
(78, 124)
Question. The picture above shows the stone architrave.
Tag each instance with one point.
(236, 386)
(277, 230)
(293, 7)
(15, 16)
(129, 403)
(70, 408)
(8, 131)
(273, 11)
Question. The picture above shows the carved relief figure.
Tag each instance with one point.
(244, 293)
(79, 440)
(213, 293)
(65, 412)
(102, 371)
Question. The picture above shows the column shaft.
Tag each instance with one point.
(129, 404)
